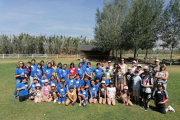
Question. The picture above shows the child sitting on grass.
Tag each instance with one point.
(46, 97)
(53, 92)
(33, 85)
(37, 93)
(126, 97)
(23, 90)
(83, 96)
(72, 97)
(111, 92)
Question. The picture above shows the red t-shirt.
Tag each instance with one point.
(73, 71)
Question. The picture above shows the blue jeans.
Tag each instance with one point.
(17, 81)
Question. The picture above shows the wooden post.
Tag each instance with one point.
(3, 56)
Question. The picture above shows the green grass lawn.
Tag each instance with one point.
(12, 109)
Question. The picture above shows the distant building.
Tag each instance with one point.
(93, 52)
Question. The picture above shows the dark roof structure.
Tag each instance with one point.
(89, 48)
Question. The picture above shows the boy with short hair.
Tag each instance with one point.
(23, 88)
(93, 92)
(86, 83)
(108, 73)
(33, 85)
(81, 71)
(72, 97)
(78, 82)
(83, 96)
(106, 80)
(62, 92)
(71, 82)
(27, 69)
(65, 72)
(97, 72)
(146, 84)
(136, 86)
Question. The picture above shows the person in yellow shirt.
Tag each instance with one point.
(72, 97)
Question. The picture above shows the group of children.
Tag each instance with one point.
(73, 85)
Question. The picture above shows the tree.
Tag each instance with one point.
(170, 34)
(108, 25)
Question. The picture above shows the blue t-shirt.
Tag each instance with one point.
(78, 83)
(80, 71)
(89, 71)
(49, 72)
(39, 73)
(85, 83)
(33, 85)
(85, 93)
(33, 70)
(98, 84)
(41, 82)
(93, 89)
(58, 71)
(23, 92)
(19, 72)
(70, 83)
(65, 73)
(62, 91)
(98, 72)
(59, 85)
(52, 82)
(44, 68)
(106, 81)
(84, 65)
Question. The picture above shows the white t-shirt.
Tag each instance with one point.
(145, 81)
(111, 91)
(110, 68)
(133, 69)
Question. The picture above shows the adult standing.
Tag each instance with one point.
(133, 66)
(162, 76)
(123, 65)
(54, 67)
(84, 63)
(33, 70)
(43, 66)
(19, 75)
(103, 65)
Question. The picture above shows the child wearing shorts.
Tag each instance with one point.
(102, 93)
(146, 85)
(93, 89)
(161, 97)
(136, 86)
(111, 92)
(83, 96)
(62, 92)
(23, 90)
(126, 97)
(72, 97)
(53, 92)
(33, 85)
(37, 93)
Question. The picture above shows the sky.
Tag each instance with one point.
(48, 17)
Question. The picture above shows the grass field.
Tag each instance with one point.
(12, 109)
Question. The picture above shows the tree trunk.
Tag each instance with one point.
(137, 56)
(171, 56)
(146, 53)
(113, 53)
(120, 54)
(135, 53)
(116, 55)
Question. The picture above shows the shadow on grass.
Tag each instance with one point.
(152, 108)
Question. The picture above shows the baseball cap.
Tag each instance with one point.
(151, 65)
(163, 65)
(38, 85)
(109, 61)
(116, 63)
(107, 67)
(35, 78)
(145, 67)
(71, 87)
(159, 84)
(139, 65)
(136, 71)
(46, 80)
(103, 82)
(111, 83)
(146, 72)
(133, 61)
(129, 68)
(157, 60)
(126, 87)
(53, 85)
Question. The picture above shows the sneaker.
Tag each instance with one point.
(170, 108)
(146, 109)
(142, 107)
(73, 104)
(14, 97)
(80, 104)
(54, 101)
(123, 104)
(17, 97)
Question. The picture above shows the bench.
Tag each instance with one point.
(173, 61)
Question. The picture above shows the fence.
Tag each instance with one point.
(4, 56)
(148, 55)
